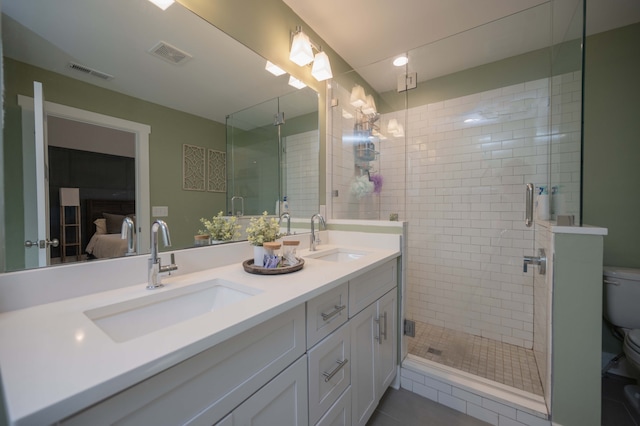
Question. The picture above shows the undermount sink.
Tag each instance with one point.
(338, 255)
(134, 318)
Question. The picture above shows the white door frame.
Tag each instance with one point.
(141, 132)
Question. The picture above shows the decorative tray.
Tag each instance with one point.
(259, 270)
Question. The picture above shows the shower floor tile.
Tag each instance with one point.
(504, 363)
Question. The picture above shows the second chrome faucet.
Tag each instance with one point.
(155, 266)
(315, 240)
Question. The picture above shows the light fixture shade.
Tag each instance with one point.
(274, 69)
(358, 98)
(69, 196)
(370, 107)
(321, 67)
(392, 127)
(301, 52)
(296, 83)
(162, 4)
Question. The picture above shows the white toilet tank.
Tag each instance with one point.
(622, 296)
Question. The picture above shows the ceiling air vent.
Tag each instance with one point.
(90, 71)
(170, 53)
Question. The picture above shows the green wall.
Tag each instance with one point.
(612, 142)
(265, 26)
(612, 149)
(170, 129)
(577, 269)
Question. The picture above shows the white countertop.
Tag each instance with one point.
(56, 361)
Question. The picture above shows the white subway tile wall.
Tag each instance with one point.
(458, 178)
(302, 189)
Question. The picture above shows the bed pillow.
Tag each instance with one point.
(114, 222)
(101, 226)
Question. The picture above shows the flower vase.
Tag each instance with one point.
(258, 256)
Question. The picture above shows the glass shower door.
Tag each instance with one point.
(253, 147)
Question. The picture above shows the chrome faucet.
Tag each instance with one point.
(316, 240)
(286, 215)
(126, 233)
(155, 266)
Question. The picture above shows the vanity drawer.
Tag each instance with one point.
(329, 372)
(340, 412)
(371, 286)
(326, 313)
(210, 384)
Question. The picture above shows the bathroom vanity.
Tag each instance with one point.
(318, 346)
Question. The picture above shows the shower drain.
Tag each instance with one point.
(434, 351)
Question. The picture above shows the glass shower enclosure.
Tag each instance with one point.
(272, 152)
(495, 108)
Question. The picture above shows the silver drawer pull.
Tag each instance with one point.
(337, 309)
(329, 376)
(611, 282)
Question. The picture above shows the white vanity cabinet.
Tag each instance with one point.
(282, 402)
(374, 354)
(325, 362)
(205, 388)
(360, 356)
(373, 343)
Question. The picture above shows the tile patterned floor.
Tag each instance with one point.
(501, 362)
(404, 408)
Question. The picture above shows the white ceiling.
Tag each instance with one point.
(114, 37)
(444, 36)
(224, 77)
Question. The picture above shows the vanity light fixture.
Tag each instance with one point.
(394, 128)
(302, 54)
(321, 69)
(296, 83)
(358, 98)
(274, 69)
(370, 107)
(162, 4)
(346, 114)
(400, 61)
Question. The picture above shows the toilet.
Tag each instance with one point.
(622, 309)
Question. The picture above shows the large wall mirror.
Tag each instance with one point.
(148, 113)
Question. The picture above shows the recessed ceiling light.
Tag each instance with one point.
(296, 83)
(400, 61)
(162, 4)
(274, 69)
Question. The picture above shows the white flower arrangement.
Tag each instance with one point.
(220, 228)
(262, 230)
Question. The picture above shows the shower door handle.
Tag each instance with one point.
(528, 220)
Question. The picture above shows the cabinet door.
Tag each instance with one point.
(364, 334)
(387, 351)
(282, 401)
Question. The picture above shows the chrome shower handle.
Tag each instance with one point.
(528, 220)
